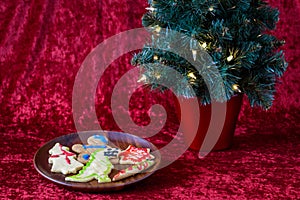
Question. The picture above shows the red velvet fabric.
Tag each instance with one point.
(44, 42)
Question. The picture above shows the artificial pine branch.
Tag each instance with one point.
(235, 33)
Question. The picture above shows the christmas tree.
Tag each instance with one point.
(236, 34)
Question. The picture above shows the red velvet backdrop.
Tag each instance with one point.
(44, 42)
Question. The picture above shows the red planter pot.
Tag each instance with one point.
(188, 120)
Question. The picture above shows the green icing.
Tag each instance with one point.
(101, 178)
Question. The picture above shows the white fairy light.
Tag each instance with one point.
(229, 58)
(157, 29)
(192, 75)
(236, 88)
(194, 52)
(204, 45)
(142, 78)
(151, 9)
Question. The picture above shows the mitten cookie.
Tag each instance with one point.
(62, 160)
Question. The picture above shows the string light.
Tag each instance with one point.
(236, 88)
(192, 75)
(142, 78)
(157, 29)
(229, 58)
(155, 57)
(194, 45)
(151, 9)
(194, 52)
(204, 45)
(211, 8)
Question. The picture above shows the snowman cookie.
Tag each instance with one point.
(97, 140)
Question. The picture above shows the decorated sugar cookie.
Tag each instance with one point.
(134, 169)
(97, 140)
(112, 154)
(98, 167)
(84, 151)
(79, 148)
(62, 160)
(134, 155)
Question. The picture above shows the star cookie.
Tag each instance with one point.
(135, 155)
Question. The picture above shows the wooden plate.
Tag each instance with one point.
(117, 139)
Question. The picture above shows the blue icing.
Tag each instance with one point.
(85, 156)
(93, 146)
(111, 152)
(101, 138)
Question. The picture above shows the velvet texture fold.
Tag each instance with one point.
(43, 44)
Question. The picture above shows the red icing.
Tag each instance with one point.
(67, 153)
(120, 173)
(135, 154)
(142, 166)
(64, 153)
